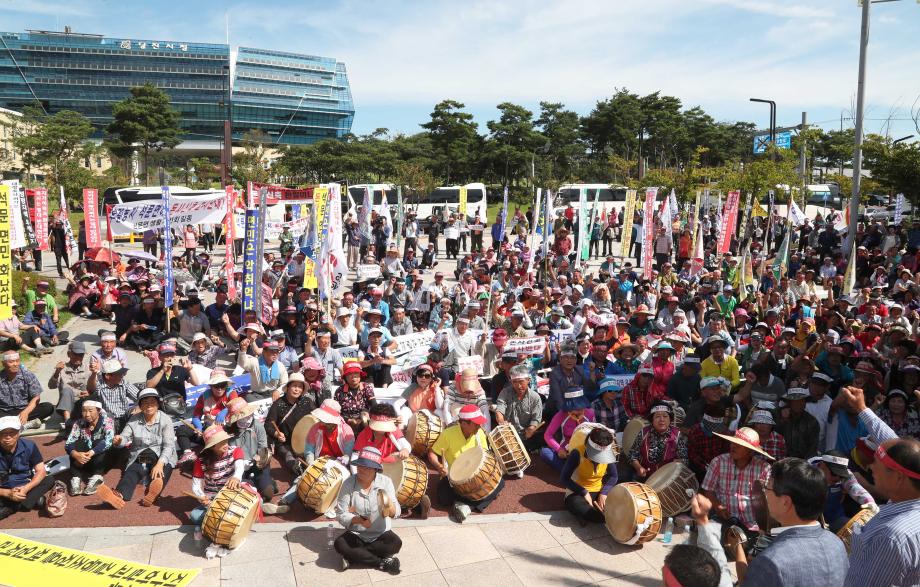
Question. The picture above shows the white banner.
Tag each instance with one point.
(408, 342)
(366, 272)
(17, 228)
(474, 362)
(148, 214)
(332, 260)
(350, 352)
(899, 209)
(297, 226)
(530, 346)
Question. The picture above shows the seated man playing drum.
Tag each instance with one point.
(732, 478)
(466, 434)
(658, 444)
(366, 505)
(249, 434)
(587, 476)
(466, 390)
(575, 410)
(521, 407)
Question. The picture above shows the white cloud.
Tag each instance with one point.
(47, 8)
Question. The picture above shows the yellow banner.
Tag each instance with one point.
(25, 563)
(628, 212)
(758, 210)
(6, 261)
(462, 204)
(320, 197)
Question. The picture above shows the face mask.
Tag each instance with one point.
(244, 423)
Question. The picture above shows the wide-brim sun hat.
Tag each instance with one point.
(213, 435)
(748, 438)
(239, 408)
(382, 423)
(329, 412)
(602, 455)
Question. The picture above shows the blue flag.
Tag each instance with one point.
(167, 250)
(251, 261)
(504, 214)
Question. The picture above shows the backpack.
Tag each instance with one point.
(56, 503)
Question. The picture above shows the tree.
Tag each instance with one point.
(51, 142)
(418, 179)
(253, 163)
(511, 143)
(145, 120)
(564, 149)
(896, 167)
(202, 172)
(453, 134)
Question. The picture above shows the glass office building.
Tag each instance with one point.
(295, 99)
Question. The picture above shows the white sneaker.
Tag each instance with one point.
(270, 509)
(330, 514)
(33, 424)
(76, 486)
(519, 474)
(211, 551)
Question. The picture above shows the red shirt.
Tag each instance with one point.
(330, 444)
(385, 445)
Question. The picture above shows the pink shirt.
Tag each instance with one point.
(561, 420)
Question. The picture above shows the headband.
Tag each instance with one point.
(843, 462)
(380, 418)
(660, 408)
(882, 455)
(92, 404)
(712, 419)
(372, 456)
(572, 394)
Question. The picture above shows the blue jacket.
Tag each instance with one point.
(805, 556)
(44, 322)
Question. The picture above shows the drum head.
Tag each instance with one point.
(620, 513)
(332, 494)
(396, 471)
(299, 435)
(631, 432)
(244, 527)
(410, 428)
(466, 465)
(666, 475)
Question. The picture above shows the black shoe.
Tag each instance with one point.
(6, 512)
(390, 565)
(344, 566)
(40, 504)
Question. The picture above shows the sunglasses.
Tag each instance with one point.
(423, 375)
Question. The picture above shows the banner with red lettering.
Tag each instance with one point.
(729, 221)
(144, 215)
(91, 217)
(40, 200)
(229, 240)
(648, 237)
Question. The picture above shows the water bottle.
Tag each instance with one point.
(668, 531)
(329, 534)
(687, 537)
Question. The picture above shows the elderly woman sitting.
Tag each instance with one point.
(575, 410)
(151, 439)
(88, 443)
(424, 393)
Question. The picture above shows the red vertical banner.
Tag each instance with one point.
(108, 225)
(91, 218)
(648, 237)
(40, 200)
(729, 221)
(229, 241)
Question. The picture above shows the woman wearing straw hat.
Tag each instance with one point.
(730, 479)
(88, 444)
(366, 507)
(331, 436)
(283, 416)
(210, 408)
(219, 465)
(588, 475)
(249, 434)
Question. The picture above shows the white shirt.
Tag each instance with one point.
(820, 410)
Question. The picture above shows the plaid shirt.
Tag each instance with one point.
(775, 445)
(638, 402)
(734, 487)
(16, 394)
(612, 417)
(116, 400)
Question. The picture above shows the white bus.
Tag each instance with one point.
(609, 197)
(442, 202)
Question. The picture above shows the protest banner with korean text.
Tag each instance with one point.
(148, 214)
(91, 217)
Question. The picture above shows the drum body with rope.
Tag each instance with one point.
(632, 513)
(423, 430)
(230, 516)
(850, 528)
(632, 431)
(475, 474)
(410, 478)
(299, 434)
(509, 449)
(675, 485)
(320, 484)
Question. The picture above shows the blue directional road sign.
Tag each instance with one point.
(783, 141)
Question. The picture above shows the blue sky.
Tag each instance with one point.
(405, 56)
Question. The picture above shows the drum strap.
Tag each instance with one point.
(640, 529)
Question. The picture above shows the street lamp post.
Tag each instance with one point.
(772, 117)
